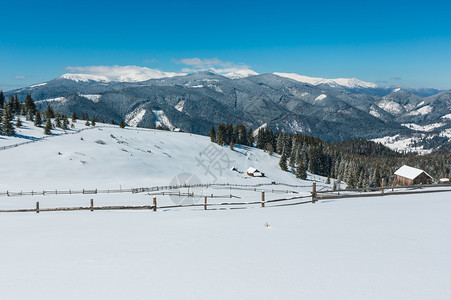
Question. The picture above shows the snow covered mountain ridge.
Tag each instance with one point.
(138, 74)
(346, 82)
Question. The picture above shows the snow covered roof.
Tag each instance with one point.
(252, 170)
(410, 172)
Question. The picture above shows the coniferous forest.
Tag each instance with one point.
(359, 163)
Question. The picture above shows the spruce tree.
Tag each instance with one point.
(212, 134)
(87, 123)
(18, 122)
(250, 137)
(7, 126)
(58, 121)
(283, 161)
(48, 127)
(29, 106)
(37, 119)
(112, 122)
(74, 117)
(122, 124)
(49, 113)
(220, 135)
(2, 100)
(93, 121)
(65, 122)
(301, 172)
(16, 105)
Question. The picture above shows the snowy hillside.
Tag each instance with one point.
(360, 248)
(107, 156)
(346, 82)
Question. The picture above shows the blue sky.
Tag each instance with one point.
(386, 42)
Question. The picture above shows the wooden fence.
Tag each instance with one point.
(296, 200)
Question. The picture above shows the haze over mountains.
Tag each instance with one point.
(332, 109)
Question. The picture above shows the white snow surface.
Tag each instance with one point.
(394, 247)
(116, 73)
(425, 128)
(93, 97)
(402, 143)
(162, 120)
(180, 105)
(374, 112)
(85, 77)
(321, 97)
(391, 106)
(421, 111)
(135, 116)
(409, 172)
(447, 117)
(240, 74)
(39, 84)
(57, 99)
(346, 82)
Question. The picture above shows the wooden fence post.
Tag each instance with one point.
(92, 204)
(263, 199)
(154, 203)
(382, 191)
(205, 204)
(37, 207)
(314, 192)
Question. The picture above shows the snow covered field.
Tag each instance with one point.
(374, 248)
(394, 247)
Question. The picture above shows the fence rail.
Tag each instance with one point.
(250, 187)
(290, 201)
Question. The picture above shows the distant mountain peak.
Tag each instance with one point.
(84, 77)
(240, 74)
(345, 82)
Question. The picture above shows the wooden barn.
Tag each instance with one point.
(254, 172)
(410, 176)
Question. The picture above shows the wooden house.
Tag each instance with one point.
(410, 176)
(254, 172)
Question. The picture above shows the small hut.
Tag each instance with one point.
(410, 176)
(444, 180)
(254, 172)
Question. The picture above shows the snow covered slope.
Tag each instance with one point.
(346, 82)
(394, 247)
(107, 157)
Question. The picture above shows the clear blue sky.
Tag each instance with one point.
(385, 42)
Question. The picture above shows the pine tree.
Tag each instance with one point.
(122, 124)
(18, 122)
(65, 122)
(93, 121)
(48, 127)
(10, 103)
(37, 119)
(283, 161)
(220, 135)
(250, 137)
(49, 113)
(58, 121)
(29, 106)
(7, 126)
(87, 123)
(212, 134)
(16, 107)
(74, 117)
(301, 172)
(2, 100)
(112, 122)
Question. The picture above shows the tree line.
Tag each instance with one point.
(27, 109)
(359, 163)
